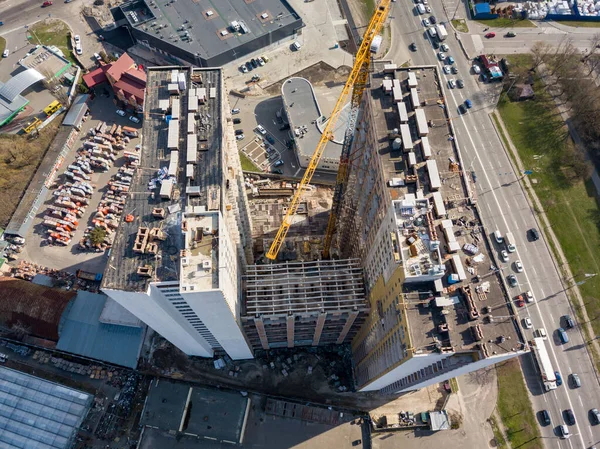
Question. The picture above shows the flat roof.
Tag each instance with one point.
(217, 415)
(201, 194)
(37, 413)
(205, 21)
(303, 110)
(45, 61)
(421, 241)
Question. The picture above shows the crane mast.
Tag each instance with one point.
(356, 84)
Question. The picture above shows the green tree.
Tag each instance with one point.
(97, 236)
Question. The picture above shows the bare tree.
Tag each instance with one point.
(541, 52)
(563, 55)
(594, 44)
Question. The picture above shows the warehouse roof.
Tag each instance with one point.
(208, 25)
(77, 111)
(18, 83)
(38, 414)
(82, 333)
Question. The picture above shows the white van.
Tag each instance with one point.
(421, 8)
(510, 242)
(432, 32)
(498, 237)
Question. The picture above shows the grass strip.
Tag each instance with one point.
(247, 164)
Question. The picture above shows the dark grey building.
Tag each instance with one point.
(206, 35)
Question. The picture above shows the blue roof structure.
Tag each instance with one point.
(482, 8)
(81, 332)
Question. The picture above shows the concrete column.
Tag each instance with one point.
(290, 330)
(347, 326)
(262, 334)
(319, 328)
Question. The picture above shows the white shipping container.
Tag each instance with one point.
(376, 43)
(175, 108)
(174, 163)
(414, 99)
(425, 147)
(173, 135)
(191, 123)
(212, 92)
(412, 159)
(397, 92)
(189, 171)
(173, 88)
(402, 112)
(181, 81)
(389, 68)
(407, 142)
(201, 94)
(438, 205)
(163, 105)
(422, 127)
(412, 80)
(166, 189)
(434, 176)
(193, 103)
(174, 74)
(192, 148)
(387, 86)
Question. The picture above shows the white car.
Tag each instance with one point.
(442, 56)
(121, 112)
(134, 119)
(518, 266)
(428, 9)
(447, 69)
(97, 57)
(77, 38)
(78, 48)
(240, 137)
(425, 22)
(261, 130)
(503, 253)
(529, 296)
(243, 68)
(451, 84)
(476, 69)
(527, 324)
(444, 47)
(6, 53)
(235, 111)
(261, 62)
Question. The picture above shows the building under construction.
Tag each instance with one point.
(304, 303)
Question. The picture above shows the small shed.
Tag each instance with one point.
(77, 111)
(439, 420)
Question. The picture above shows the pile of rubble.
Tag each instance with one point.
(91, 371)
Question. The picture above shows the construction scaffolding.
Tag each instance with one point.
(304, 303)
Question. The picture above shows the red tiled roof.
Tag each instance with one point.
(120, 66)
(97, 76)
(34, 307)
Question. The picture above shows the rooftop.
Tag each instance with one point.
(302, 109)
(37, 413)
(171, 178)
(202, 28)
(437, 232)
(297, 287)
(45, 61)
(216, 415)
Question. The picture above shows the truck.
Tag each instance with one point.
(89, 276)
(131, 132)
(510, 242)
(441, 31)
(376, 43)
(540, 355)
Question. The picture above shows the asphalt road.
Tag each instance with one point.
(503, 206)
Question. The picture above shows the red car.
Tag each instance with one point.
(46, 3)
(520, 301)
(490, 35)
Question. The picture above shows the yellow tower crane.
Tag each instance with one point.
(356, 84)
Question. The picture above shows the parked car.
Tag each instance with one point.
(476, 69)
(46, 3)
(235, 111)
(518, 266)
(545, 418)
(519, 301)
(254, 63)
(6, 53)
(575, 380)
(512, 280)
(568, 321)
(237, 121)
(239, 132)
(261, 130)
(278, 163)
(248, 66)
(595, 415)
(121, 112)
(97, 57)
(76, 38)
(243, 69)
(265, 58)
(240, 137)
(413, 46)
(454, 70)
(270, 139)
(428, 9)
(134, 119)
(277, 171)
(562, 334)
(569, 417)
(558, 378)
(260, 61)
(490, 35)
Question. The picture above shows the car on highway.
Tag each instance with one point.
(243, 69)
(450, 60)
(527, 324)
(460, 83)
(451, 84)
(519, 301)
(278, 163)
(5, 53)
(529, 296)
(435, 44)
(569, 417)
(432, 19)
(534, 234)
(235, 111)
(504, 255)
(462, 109)
(468, 103)
(510, 34)
(562, 335)
(476, 69)
(454, 70)
(441, 55)
(512, 280)
(447, 69)
(518, 266)
(134, 119)
(575, 381)
(540, 333)
(413, 46)
(240, 137)
(428, 9)
(545, 418)
(121, 112)
(426, 22)
(595, 416)
(563, 431)
(568, 321)
(558, 378)
(490, 35)
(444, 47)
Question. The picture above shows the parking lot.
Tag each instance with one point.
(72, 256)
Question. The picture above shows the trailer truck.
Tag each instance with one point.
(441, 31)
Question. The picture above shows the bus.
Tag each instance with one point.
(52, 107)
(542, 360)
